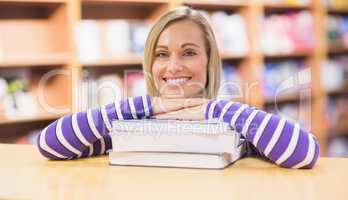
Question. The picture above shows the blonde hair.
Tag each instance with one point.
(214, 60)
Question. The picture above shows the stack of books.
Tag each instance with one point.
(173, 143)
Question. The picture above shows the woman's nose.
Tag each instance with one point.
(174, 65)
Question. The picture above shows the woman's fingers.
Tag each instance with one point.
(192, 113)
(164, 105)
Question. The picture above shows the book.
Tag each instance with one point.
(173, 143)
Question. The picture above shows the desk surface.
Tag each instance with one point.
(25, 174)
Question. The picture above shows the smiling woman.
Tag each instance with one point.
(181, 57)
(182, 68)
(180, 63)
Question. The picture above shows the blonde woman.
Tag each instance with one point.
(182, 70)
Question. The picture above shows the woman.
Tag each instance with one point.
(182, 70)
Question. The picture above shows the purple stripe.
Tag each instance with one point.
(148, 98)
(111, 111)
(53, 142)
(315, 158)
(96, 148)
(207, 109)
(218, 108)
(99, 122)
(242, 118)
(255, 124)
(125, 109)
(108, 143)
(45, 153)
(300, 151)
(69, 134)
(268, 132)
(139, 108)
(84, 127)
(283, 142)
(230, 112)
(85, 152)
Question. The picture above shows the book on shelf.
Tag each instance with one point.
(231, 39)
(87, 39)
(118, 41)
(287, 33)
(173, 143)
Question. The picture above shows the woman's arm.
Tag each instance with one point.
(281, 141)
(87, 133)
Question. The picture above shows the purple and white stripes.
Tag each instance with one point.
(87, 133)
(279, 140)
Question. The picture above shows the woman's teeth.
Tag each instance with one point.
(176, 81)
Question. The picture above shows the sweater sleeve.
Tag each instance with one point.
(279, 140)
(86, 133)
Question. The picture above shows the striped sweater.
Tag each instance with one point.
(86, 133)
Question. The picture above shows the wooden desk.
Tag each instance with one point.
(25, 174)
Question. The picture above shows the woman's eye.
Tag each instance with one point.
(189, 53)
(161, 54)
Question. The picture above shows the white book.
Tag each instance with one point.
(118, 38)
(174, 143)
(87, 38)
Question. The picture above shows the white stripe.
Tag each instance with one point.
(236, 114)
(105, 118)
(92, 125)
(260, 130)
(211, 109)
(45, 147)
(310, 153)
(132, 107)
(77, 130)
(146, 106)
(62, 139)
(224, 109)
(102, 146)
(248, 122)
(118, 110)
(275, 136)
(292, 145)
(90, 150)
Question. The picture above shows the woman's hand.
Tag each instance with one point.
(191, 113)
(166, 105)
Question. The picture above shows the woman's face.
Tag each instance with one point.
(180, 64)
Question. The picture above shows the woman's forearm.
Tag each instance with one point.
(87, 133)
(281, 141)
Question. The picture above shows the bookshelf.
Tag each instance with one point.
(34, 39)
(32, 25)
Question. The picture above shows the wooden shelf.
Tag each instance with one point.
(295, 55)
(127, 9)
(36, 2)
(286, 99)
(28, 9)
(23, 119)
(275, 8)
(215, 5)
(337, 10)
(340, 50)
(122, 61)
(36, 61)
(338, 93)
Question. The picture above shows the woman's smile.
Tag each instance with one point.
(176, 81)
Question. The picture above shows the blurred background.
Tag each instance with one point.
(289, 57)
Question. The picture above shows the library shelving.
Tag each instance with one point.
(34, 36)
(40, 35)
